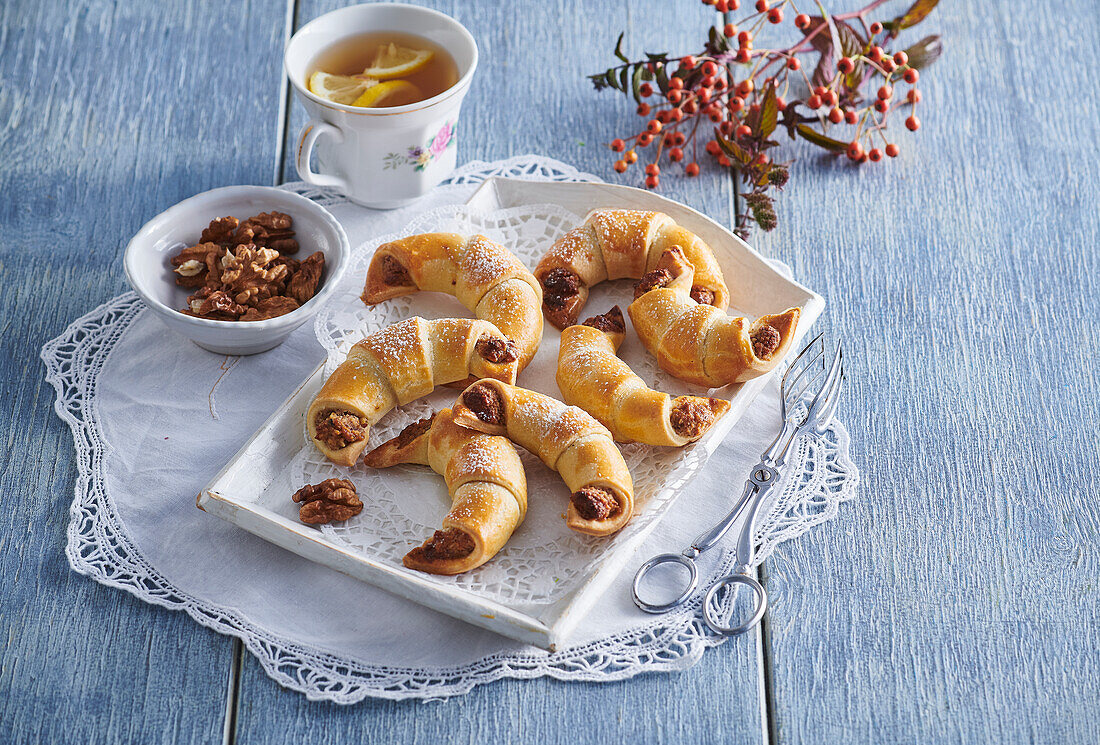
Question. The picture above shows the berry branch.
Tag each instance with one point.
(740, 94)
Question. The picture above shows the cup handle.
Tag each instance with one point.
(314, 129)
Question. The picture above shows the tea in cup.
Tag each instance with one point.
(383, 85)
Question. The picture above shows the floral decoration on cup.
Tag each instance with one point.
(419, 157)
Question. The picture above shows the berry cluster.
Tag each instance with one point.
(733, 96)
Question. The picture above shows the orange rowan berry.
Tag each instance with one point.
(836, 116)
(652, 182)
(676, 83)
(911, 76)
(850, 117)
(762, 5)
(643, 109)
(620, 165)
(692, 169)
(675, 155)
(652, 170)
(892, 150)
(845, 65)
(802, 20)
(876, 28)
(775, 15)
(913, 96)
(901, 59)
(687, 62)
(644, 139)
(814, 101)
(630, 156)
(653, 126)
(743, 55)
(793, 63)
(875, 155)
(618, 145)
(729, 31)
(912, 123)
(742, 131)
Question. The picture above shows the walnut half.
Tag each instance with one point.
(331, 501)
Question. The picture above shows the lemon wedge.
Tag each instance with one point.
(392, 61)
(389, 93)
(343, 89)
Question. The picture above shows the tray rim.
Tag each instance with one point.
(314, 545)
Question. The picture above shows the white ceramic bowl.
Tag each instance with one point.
(150, 274)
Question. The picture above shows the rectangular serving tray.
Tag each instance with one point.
(252, 490)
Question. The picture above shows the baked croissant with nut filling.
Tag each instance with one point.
(484, 276)
(486, 482)
(567, 440)
(612, 244)
(699, 343)
(398, 364)
(591, 376)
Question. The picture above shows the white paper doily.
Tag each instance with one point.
(117, 552)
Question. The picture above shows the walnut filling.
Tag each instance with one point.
(691, 416)
(594, 503)
(765, 341)
(414, 430)
(558, 286)
(394, 272)
(651, 281)
(702, 295)
(444, 544)
(610, 322)
(338, 429)
(497, 351)
(485, 402)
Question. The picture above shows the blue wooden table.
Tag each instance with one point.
(955, 601)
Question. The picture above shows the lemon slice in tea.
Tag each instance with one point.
(389, 93)
(393, 61)
(343, 89)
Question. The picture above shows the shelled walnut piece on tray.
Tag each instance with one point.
(333, 500)
(242, 271)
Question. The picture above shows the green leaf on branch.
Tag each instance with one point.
(619, 48)
(925, 52)
(637, 81)
(610, 79)
(624, 79)
(662, 79)
(917, 12)
(733, 150)
(812, 135)
(769, 112)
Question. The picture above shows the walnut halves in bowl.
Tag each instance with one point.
(241, 271)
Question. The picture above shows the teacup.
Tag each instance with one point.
(380, 157)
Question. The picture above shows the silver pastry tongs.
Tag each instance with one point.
(808, 400)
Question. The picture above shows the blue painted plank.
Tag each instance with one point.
(957, 599)
(112, 111)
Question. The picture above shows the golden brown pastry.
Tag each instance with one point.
(486, 482)
(399, 364)
(612, 244)
(484, 276)
(591, 376)
(567, 440)
(699, 343)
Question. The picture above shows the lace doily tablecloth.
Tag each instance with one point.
(143, 453)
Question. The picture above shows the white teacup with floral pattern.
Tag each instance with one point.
(384, 157)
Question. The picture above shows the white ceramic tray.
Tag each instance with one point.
(508, 595)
